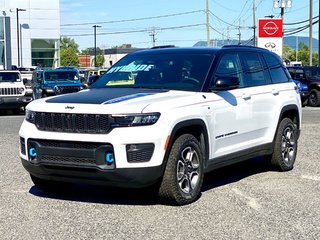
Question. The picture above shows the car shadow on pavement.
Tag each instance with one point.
(234, 173)
(123, 196)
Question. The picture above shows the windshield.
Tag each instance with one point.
(9, 76)
(61, 76)
(166, 71)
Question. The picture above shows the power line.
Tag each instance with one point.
(300, 29)
(133, 19)
(307, 20)
(134, 31)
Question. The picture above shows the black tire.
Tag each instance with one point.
(183, 176)
(285, 146)
(50, 186)
(314, 98)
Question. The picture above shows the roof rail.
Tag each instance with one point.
(227, 46)
(163, 46)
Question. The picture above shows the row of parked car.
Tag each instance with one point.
(307, 79)
(21, 86)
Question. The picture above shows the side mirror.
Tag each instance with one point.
(25, 81)
(225, 83)
(92, 79)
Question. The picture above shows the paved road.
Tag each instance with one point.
(246, 201)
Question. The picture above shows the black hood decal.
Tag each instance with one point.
(104, 95)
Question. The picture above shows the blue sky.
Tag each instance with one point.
(177, 22)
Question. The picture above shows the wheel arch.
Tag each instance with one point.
(292, 112)
(314, 85)
(197, 128)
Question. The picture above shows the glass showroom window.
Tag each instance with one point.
(44, 52)
(2, 53)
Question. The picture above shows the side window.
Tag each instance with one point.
(229, 65)
(277, 71)
(252, 68)
(292, 72)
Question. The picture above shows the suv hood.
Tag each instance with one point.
(115, 100)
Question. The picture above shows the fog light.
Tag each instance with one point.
(109, 158)
(32, 153)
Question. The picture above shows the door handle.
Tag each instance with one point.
(246, 96)
(275, 92)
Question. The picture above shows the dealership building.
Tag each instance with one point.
(29, 33)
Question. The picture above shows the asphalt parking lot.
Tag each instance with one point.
(244, 201)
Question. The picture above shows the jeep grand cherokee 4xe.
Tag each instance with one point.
(164, 117)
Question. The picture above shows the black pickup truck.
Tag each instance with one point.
(309, 75)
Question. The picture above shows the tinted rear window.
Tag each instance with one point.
(277, 71)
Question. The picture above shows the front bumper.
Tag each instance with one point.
(124, 177)
(138, 154)
(304, 94)
(9, 102)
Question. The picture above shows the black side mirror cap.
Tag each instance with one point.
(225, 83)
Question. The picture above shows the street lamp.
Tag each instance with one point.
(95, 43)
(18, 32)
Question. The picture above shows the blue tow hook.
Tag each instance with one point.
(32, 152)
(109, 158)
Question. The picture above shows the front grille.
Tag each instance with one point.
(10, 91)
(67, 144)
(70, 153)
(67, 122)
(68, 89)
(67, 160)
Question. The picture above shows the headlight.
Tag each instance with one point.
(130, 120)
(30, 116)
(49, 90)
(20, 90)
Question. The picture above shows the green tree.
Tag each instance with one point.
(303, 53)
(288, 53)
(90, 51)
(100, 60)
(69, 57)
(66, 42)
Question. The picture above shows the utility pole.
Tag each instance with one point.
(207, 23)
(282, 4)
(254, 22)
(239, 33)
(95, 43)
(153, 36)
(310, 34)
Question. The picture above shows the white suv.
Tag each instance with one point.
(13, 93)
(164, 117)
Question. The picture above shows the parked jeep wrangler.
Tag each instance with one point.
(309, 75)
(13, 94)
(47, 83)
(164, 117)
